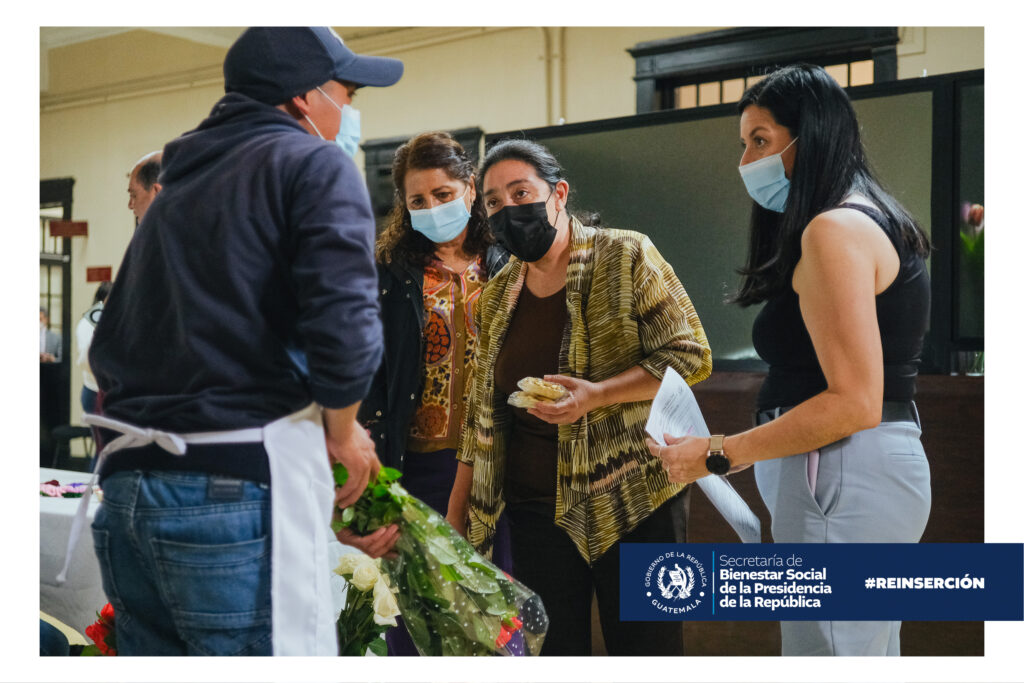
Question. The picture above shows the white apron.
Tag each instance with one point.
(302, 498)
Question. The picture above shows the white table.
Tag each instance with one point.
(77, 600)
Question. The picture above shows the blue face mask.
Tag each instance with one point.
(349, 131)
(442, 223)
(766, 181)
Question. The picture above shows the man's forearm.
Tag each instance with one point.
(339, 422)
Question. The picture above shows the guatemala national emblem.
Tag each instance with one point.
(676, 583)
(680, 583)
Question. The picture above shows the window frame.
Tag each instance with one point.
(664, 65)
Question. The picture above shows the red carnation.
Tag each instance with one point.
(503, 637)
(102, 631)
(107, 613)
(513, 624)
(98, 632)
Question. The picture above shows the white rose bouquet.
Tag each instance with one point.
(370, 606)
(453, 601)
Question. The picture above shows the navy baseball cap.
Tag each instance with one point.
(274, 64)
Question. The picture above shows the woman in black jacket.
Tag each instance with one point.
(433, 258)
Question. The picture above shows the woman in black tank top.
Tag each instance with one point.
(840, 268)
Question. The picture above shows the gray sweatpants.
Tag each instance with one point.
(871, 487)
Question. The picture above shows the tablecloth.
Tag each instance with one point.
(77, 600)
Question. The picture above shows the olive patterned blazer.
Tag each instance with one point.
(626, 307)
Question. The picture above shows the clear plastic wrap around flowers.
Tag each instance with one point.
(452, 600)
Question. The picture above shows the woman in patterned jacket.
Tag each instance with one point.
(601, 313)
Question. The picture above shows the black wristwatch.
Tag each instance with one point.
(717, 462)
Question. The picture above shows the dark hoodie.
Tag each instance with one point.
(249, 288)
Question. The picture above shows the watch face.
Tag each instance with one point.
(717, 463)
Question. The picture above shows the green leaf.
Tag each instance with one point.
(388, 475)
(484, 630)
(448, 624)
(483, 568)
(463, 547)
(398, 494)
(347, 515)
(442, 549)
(379, 647)
(419, 581)
(416, 625)
(973, 246)
(508, 589)
(449, 573)
(392, 513)
(380, 491)
(413, 514)
(497, 605)
(337, 525)
(91, 651)
(340, 474)
(479, 582)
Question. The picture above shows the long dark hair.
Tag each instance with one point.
(398, 241)
(544, 163)
(830, 164)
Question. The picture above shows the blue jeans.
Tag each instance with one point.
(185, 561)
(52, 643)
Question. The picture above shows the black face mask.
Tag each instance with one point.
(524, 230)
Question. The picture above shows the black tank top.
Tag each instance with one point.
(781, 338)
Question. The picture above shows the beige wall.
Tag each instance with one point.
(110, 100)
(136, 57)
(511, 78)
(939, 50)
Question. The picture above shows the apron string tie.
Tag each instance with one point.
(131, 437)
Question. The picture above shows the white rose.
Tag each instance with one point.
(365, 576)
(381, 586)
(385, 608)
(350, 561)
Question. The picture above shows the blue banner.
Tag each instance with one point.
(812, 581)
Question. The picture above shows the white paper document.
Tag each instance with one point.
(675, 412)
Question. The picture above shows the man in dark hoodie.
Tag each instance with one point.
(241, 334)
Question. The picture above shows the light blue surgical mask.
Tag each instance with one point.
(766, 181)
(441, 223)
(348, 132)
